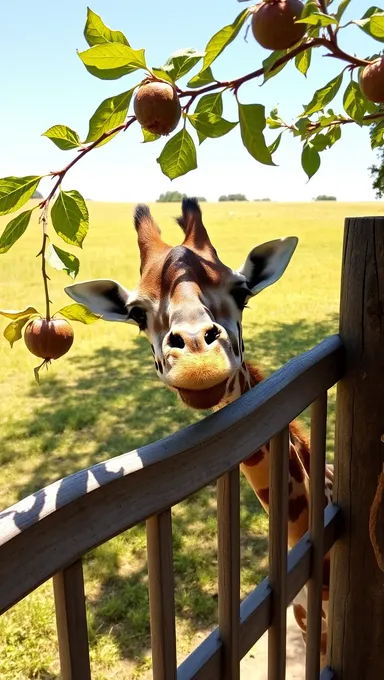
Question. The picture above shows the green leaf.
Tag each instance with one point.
(181, 62)
(210, 124)
(303, 61)
(341, 9)
(252, 124)
(12, 332)
(70, 217)
(203, 78)
(14, 229)
(376, 134)
(149, 136)
(275, 145)
(323, 96)
(111, 113)
(274, 121)
(16, 191)
(62, 261)
(222, 39)
(301, 126)
(320, 141)
(96, 32)
(310, 159)
(159, 73)
(270, 61)
(334, 134)
(63, 137)
(209, 103)
(354, 101)
(78, 312)
(178, 156)
(20, 314)
(318, 19)
(212, 103)
(372, 23)
(109, 61)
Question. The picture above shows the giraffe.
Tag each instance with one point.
(190, 304)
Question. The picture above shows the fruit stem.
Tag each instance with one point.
(44, 220)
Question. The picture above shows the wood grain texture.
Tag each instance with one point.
(89, 507)
(161, 595)
(316, 533)
(278, 542)
(357, 584)
(205, 662)
(228, 519)
(71, 621)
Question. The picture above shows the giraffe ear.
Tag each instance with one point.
(102, 296)
(266, 263)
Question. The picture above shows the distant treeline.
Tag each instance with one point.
(324, 197)
(175, 197)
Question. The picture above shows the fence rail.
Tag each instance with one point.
(46, 534)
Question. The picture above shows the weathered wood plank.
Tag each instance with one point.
(71, 621)
(205, 662)
(357, 593)
(316, 533)
(228, 516)
(161, 595)
(91, 506)
(278, 541)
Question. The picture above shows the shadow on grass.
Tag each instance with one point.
(115, 405)
(276, 345)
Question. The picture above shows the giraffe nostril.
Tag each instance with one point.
(175, 340)
(211, 335)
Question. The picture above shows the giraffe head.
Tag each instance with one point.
(188, 303)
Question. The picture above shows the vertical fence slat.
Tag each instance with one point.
(316, 533)
(278, 547)
(162, 595)
(228, 517)
(71, 621)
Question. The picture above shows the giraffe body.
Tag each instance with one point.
(190, 306)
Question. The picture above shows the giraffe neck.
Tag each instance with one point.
(256, 467)
(256, 470)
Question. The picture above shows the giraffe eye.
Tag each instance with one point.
(138, 315)
(240, 296)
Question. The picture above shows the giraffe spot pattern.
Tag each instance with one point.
(255, 458)
(296, 506)
(263, 495)
(295, 470)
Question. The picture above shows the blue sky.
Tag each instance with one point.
(45, 83)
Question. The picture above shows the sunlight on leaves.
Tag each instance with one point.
(70, 217)
(178, 156)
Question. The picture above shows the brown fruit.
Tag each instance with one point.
(48, 339)
(372, 81)
(273, 24)
(157, 107)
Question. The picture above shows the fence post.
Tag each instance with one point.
(356, 634)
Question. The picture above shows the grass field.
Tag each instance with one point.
(103, 399)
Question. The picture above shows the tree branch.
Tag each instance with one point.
(342, 121)
(60, 174)
(330, 44)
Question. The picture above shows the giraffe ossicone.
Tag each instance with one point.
(190, 304)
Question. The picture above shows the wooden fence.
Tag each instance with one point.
(46, 535)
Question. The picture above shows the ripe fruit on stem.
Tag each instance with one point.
(372, 81)
(48, 339)
(273, 23)
(157, 107)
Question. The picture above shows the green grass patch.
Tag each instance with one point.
(103, 399)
